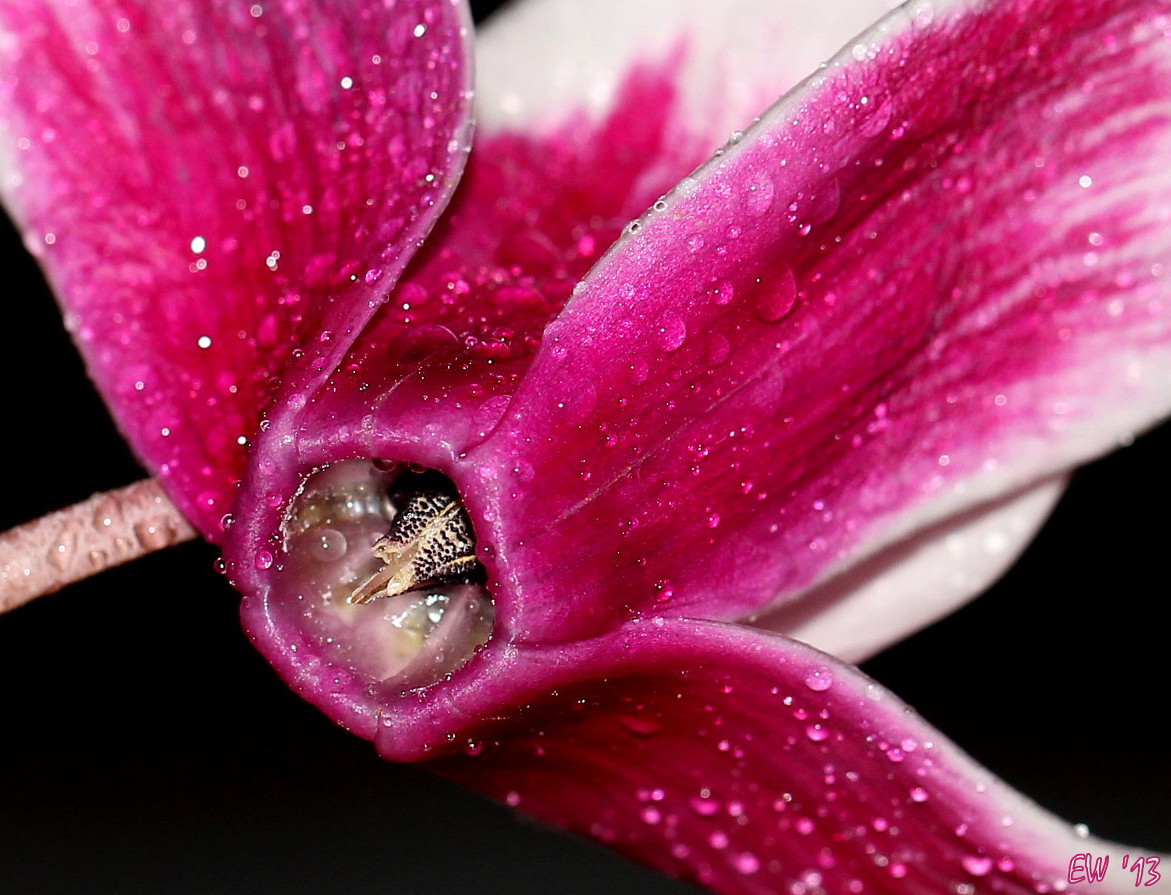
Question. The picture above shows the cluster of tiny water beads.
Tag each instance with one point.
(378, 565)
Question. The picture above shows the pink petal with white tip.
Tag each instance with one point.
(218, 189)
(732, 58)
(930, 278)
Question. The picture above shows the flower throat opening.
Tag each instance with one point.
(378, 561)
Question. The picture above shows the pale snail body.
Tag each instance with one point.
(379, 561)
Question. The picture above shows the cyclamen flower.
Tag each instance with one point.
(923, 285)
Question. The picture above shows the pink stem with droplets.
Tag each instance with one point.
(107, 530)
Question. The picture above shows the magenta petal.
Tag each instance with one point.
(747, 762)
(214, 188)
(431, 374)
(687, 440)
(930, 278)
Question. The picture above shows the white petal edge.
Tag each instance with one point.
(1109, 390)
(872, 604)
(537, 59)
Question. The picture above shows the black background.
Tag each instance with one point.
(144, 746)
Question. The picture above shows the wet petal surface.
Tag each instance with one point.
(930, 278)
(872, 313)
(751, 763)
(218, 190)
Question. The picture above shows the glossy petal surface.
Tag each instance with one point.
(432, 373)
(924, 282)
(929, 278)
(572, 731)
(555, 177)
(753, 764)
(872, 312)
(219, 189)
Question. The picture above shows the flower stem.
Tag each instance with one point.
(107, 530)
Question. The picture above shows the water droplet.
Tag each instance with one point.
(327, 545)
(777, 297)
(824, 204)
(724, 293)
(705, 807)
(486, 419)
(977, 865)
(819, 679)
(760, 198)
(919, 794)
(816, 732)
(878, 119)
(263, 560)
(640, 724)
(717, 349)
(154, 534)
(746, 863)
(922, 15)
(580, 403)
(420, 342)
(673, 333)
(638, 373)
